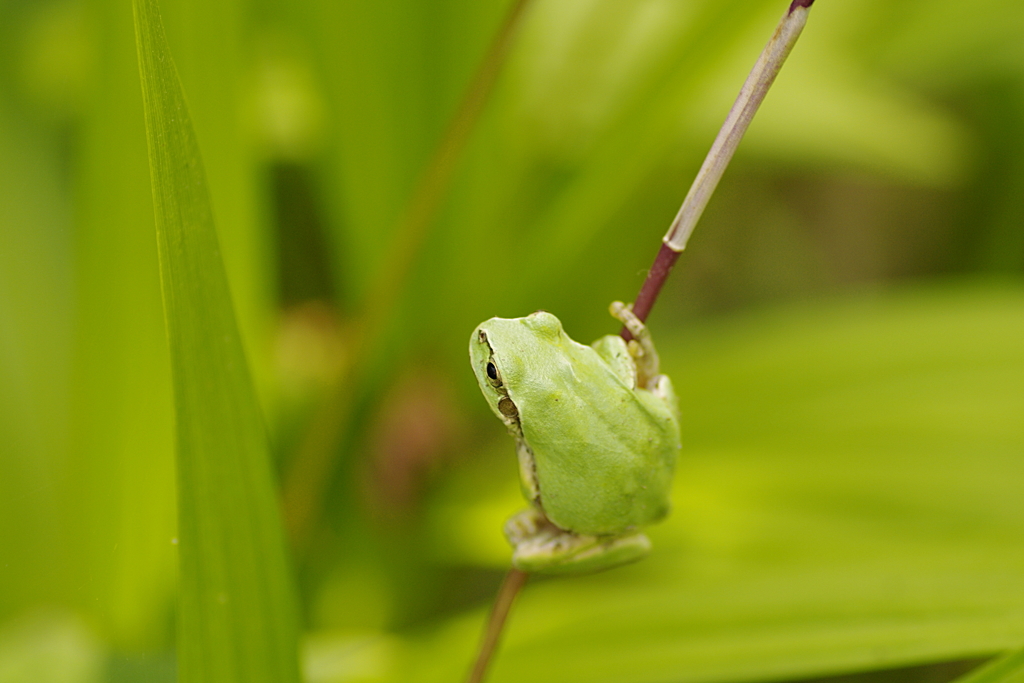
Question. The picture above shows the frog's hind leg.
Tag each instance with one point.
(614, 350)
(642, 346)
(540, 546)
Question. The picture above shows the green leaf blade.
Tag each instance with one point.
(237, 615)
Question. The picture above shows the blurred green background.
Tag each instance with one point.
(846, 329)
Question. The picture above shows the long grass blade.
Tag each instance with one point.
(237, 617)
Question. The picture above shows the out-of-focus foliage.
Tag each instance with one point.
(848, 494)
(1006, 669)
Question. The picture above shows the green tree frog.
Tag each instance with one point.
(597, 435)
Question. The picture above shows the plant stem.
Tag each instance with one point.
(736, 123)
(314, 460)
(510, 587)
(434, 182)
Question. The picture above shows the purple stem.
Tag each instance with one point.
(656, 277)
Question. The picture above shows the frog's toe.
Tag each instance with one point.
(624, 314)
(540, 546)
(525, 525)
(662, 388)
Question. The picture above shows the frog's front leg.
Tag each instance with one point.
(641, 347)
(540, 546)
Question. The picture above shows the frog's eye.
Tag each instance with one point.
(492, 374)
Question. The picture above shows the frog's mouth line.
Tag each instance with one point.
(510, 416)
(506, 406)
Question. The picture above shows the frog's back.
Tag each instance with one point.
(610, 470)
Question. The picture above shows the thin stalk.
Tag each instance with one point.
(736, 123)
(434, 182)
(305, 482)
(510, 587)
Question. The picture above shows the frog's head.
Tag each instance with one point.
(501, 350)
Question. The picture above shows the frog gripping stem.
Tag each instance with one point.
(751, 95)
(736, 123)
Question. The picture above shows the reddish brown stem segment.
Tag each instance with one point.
(510, 588)
(656, 277)
(742, 113)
